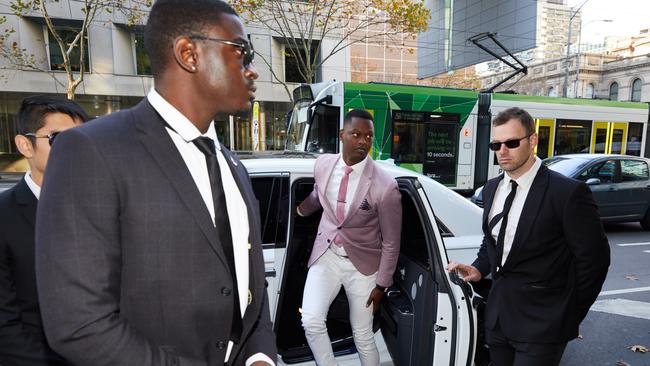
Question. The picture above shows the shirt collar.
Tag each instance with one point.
(35, 188)
(526, 179)
(177, 121)
(356, 168)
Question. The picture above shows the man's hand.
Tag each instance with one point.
(374, 299)
(466, 272)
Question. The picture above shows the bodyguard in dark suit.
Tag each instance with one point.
(22, 342)
(148, 236)
(544, 246)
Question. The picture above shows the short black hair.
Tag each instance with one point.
(516, 113)
(34, 109)
(357, 113)
(170, 19)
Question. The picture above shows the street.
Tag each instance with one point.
(620, 318)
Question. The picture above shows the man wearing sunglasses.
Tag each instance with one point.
(22, 342)
(149, 249)
(544, 247)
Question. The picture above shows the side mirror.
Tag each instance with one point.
(593, 181)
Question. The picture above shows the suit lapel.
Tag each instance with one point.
(25, 201)
(489, 190)
(156, 140)
(362, 189)
(529, 212)
(328, 169)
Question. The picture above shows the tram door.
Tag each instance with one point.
(609, 138)
(545, 133)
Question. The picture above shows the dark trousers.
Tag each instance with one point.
(506, 352)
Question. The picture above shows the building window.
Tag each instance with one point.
(67, 33)
(552, 92)
(142, 61)
(636, 90)
(613, 91)
(291, 62)
(590, 91)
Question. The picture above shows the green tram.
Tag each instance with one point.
(443, 133)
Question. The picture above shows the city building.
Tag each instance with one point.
(118, 75)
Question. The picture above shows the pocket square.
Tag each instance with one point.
(365, 205)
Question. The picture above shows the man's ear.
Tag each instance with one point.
(185, 54)
(25, 146)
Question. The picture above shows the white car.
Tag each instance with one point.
(427, 316)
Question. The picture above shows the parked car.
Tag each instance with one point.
(620, 184)
(427, 317)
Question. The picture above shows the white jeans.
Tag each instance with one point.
(323, 283)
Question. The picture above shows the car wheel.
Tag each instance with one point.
(645, 222)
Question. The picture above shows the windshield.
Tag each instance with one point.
(297, 124)
(564, 165)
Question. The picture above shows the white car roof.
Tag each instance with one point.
(458, 214)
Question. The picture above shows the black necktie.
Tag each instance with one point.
(222, 224)
(503, 215)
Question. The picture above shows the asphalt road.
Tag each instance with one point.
(620, 318)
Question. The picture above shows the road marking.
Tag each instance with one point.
(624, 291)
(646, 251)
(634, 309)
(632, 244)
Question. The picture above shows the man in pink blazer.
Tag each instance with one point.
(357, 245)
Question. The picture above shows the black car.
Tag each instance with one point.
(620, 184)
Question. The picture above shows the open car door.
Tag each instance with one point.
(426, 318)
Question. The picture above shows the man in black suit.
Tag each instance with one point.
(544, 246)
(22, 342)
(142, 258)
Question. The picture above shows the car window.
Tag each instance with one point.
(634, 170)
(413, 240)
(273, 196)
(605, 171)
(565, 166)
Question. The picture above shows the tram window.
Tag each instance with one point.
(633, 170)
(601, 140)
(617, 141)
(634, 137)
(408, 142)
(544, 137)
(572, 136)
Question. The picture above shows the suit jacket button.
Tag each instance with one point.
(328, 240)
(221, 345)
(225, 291)
(338, 228)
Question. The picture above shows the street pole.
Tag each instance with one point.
(577, 85)
(568, 48)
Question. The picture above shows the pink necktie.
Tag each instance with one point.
(340, 201)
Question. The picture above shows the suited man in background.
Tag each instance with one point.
(142, 259)
(357, 245)
(544, 246)
(22, 341)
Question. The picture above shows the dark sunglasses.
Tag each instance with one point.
(510, 144)
(50, 138)
(246, 47)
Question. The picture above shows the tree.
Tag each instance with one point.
(301, 25)
(71, 47)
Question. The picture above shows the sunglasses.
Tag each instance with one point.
(510, 144)
(50, 138)
(246, 48)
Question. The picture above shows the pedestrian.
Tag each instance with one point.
(543, 245)
(142, 258)
(22, 341)
(358, 240)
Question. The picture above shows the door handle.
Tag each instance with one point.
(391, 294)
(439, 328)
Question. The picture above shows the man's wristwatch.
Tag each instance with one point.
(382, 288)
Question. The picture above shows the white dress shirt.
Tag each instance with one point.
(35, 188)
(334, 183)
(503, 189)
(182, 133)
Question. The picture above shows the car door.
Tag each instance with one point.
(272, 192)
(634, 189)
(604, 189)
(425, 319)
